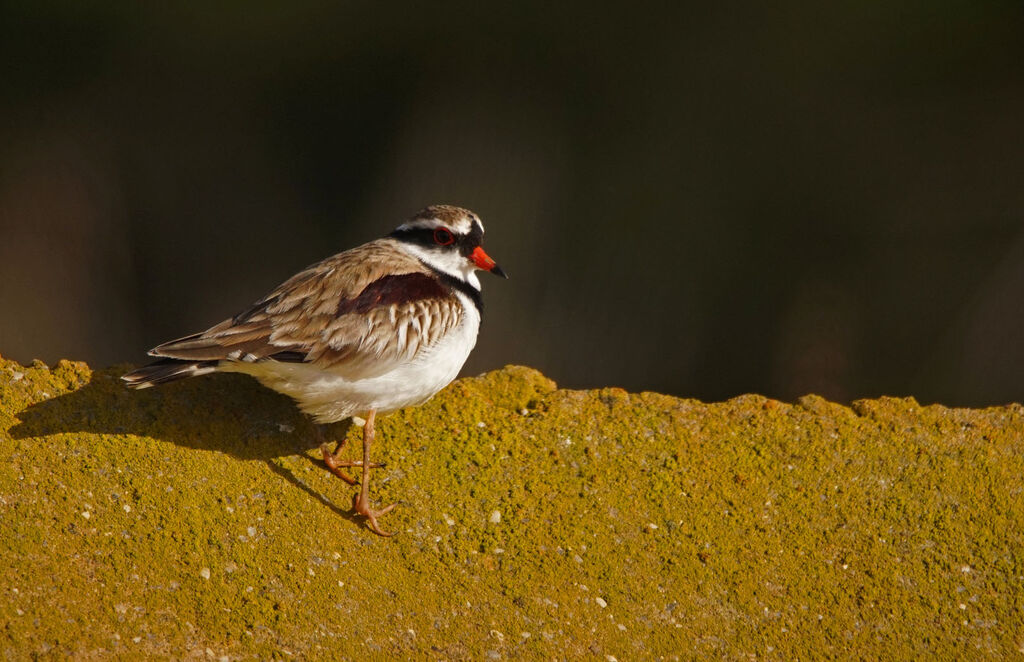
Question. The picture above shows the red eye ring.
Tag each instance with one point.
(444, 237)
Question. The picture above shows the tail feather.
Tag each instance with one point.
(166, 370)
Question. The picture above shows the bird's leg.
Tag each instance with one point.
(361, 502)
(333, 460)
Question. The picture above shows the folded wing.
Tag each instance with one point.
(359, 313)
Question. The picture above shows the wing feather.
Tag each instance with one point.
(359, 312)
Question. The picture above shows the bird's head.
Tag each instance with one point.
(449, 239)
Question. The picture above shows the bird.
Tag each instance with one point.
(373, 329)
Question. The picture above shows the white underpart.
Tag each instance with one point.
(329, 395)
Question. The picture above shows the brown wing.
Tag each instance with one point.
(352, 312)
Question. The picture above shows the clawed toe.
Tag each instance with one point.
(335, 465)
(361, 507)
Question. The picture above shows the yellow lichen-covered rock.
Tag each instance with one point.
(196, 520)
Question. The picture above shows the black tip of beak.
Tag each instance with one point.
(498, 271)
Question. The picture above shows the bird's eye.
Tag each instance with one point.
(444, 237)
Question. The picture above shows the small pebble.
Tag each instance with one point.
(205, 573)
(495, 517)
(86, 514)
(601, 602)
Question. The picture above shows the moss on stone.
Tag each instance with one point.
(196, 519)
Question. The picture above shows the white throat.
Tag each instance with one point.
(448, 262)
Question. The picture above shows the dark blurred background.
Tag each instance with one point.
(703, 199)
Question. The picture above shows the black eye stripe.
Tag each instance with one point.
(421, 236)
(468, 242)
(425, 237)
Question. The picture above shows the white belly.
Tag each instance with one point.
(329, 395)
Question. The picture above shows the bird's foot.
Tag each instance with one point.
(361, 505)
(334, 463)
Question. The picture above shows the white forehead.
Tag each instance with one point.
(456, 219)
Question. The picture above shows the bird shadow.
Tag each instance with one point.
(232, 414)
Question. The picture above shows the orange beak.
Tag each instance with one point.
(484, 261)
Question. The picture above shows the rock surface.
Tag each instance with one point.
(196, 521)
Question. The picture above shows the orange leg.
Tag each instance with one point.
(361, 502)
(334, 461)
